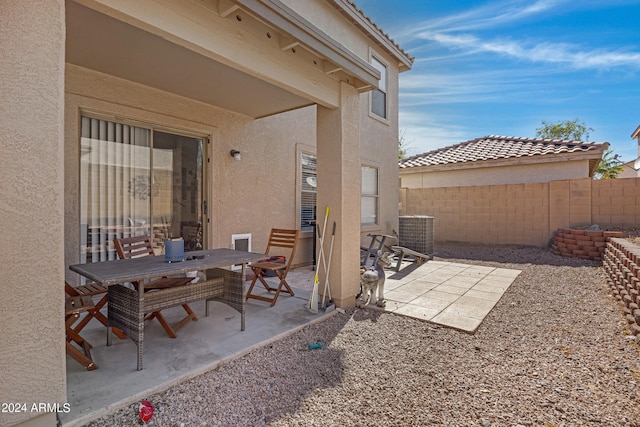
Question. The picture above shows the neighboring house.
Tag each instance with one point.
(631, 169)
(501, 160)
(207, 119)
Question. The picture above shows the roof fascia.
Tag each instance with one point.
(404, 61)
(636, 133)
(518, 161)
(280, 16)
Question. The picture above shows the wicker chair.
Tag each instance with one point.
(133, 247)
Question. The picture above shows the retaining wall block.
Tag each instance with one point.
(620, 262)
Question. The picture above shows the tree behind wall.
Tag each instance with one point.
(610, 166)
(573, 130)
(403, 145)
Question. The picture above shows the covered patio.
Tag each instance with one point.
(450, 294)
(200, 346)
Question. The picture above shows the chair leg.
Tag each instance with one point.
(95, 312)
(165, 325)
(266, 286)
(277, 290)
(82, 357)
(253, 283)
(190, 316)
(171, 330)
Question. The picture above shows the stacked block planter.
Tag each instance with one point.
(622, 264)
(583, 244)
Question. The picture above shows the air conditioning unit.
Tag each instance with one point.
(416, 233)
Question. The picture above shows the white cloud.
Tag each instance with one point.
(429, 131)
(490, 15)
(469, 66)
(460, 33)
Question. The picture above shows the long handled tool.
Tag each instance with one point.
(313, 300)
(327, 289)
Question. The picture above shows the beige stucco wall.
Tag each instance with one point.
(494, 175)
(268, 172)
(379, 148)
(250, 196)
(524, 214)
(329, 20)
(32, 357)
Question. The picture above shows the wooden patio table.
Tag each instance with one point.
(127, 307)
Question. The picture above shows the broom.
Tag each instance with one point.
(313, 300)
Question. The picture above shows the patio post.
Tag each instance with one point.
(339, 176)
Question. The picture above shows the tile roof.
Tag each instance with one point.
(493, 147)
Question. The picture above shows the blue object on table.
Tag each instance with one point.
(174, 250)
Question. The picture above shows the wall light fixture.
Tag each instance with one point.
(236, 155)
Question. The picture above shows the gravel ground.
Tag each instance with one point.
(555, 351)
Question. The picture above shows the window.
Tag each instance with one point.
(137, 180)
(379, 96)
(369, 197)
(308, 191)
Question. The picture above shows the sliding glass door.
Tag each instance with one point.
(137, 180)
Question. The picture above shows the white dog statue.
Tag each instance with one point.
(372, 279)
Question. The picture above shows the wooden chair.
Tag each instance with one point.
(74, 306)
(91, 290)
(138, 246)
(279, 238)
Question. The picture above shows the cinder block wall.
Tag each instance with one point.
(524, 214)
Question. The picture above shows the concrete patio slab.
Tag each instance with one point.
(417, 311)
(461, 298)
(457, 321)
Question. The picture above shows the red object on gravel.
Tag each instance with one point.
(146, 411)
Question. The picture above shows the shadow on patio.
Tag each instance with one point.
(200, 346)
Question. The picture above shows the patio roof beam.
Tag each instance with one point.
(275, 14)
(226, 8)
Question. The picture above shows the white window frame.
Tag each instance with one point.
(370, 195)
(301, 186)
(383, 86)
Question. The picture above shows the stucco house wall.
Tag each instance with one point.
(309, 93)
(32, 357)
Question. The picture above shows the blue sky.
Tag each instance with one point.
(502, 67)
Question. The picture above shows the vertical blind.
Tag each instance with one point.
(308, 191)
(115, 185)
